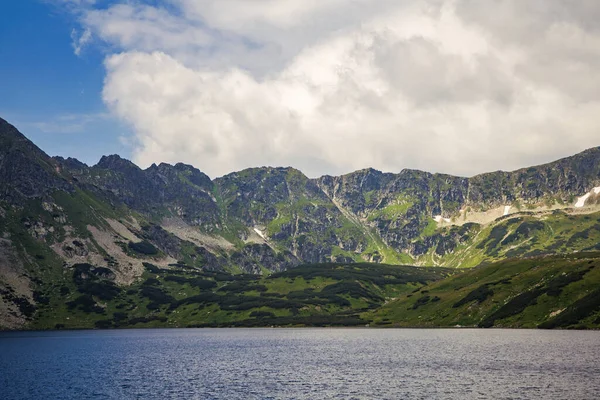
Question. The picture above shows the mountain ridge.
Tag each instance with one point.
(59, 213)
(4, 124)
(396, 211)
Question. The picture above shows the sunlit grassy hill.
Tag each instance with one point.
(539, 292)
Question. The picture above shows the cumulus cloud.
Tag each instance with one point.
(456, 86)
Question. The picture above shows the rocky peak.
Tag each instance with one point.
(25, 170)
(9, 133)
(268, 185)
(12, 141)
(70, 163)
(181, 171)
(115, 162)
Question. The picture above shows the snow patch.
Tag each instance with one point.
(439, 218)
(260, 233)
(506, 210)
(581, 200)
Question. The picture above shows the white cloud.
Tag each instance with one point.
(329, 87)
(146, 28)
(79, 41)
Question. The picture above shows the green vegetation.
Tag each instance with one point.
(392, 211)
(530, 288)
(430, 228)
(275, 225)
(544, 292)
(311, 295)
(144, 247)
(522, 235)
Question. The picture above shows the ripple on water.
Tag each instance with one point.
(300, 364)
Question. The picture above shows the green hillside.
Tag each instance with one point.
(181, 296)
(524, 234)
(540, 292)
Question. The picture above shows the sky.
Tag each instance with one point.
(326, 86)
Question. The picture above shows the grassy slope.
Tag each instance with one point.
(523, 236)
(325, 294)
(548, 292)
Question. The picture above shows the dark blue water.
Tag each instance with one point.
(300, 364)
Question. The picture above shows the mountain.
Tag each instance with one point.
(63, 222)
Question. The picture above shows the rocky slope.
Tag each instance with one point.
(56, 214)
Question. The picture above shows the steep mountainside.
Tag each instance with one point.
(57, 214)
(406, 208)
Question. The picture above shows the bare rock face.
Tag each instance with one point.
(75, 249)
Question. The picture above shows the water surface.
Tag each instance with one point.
(300, 364)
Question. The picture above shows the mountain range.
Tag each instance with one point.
(70, 232)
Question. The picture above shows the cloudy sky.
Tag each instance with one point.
(326, 86)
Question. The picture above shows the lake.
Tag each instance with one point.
(300, 364)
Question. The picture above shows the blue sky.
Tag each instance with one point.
(50, 94)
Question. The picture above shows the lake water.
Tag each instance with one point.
(300, 364)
